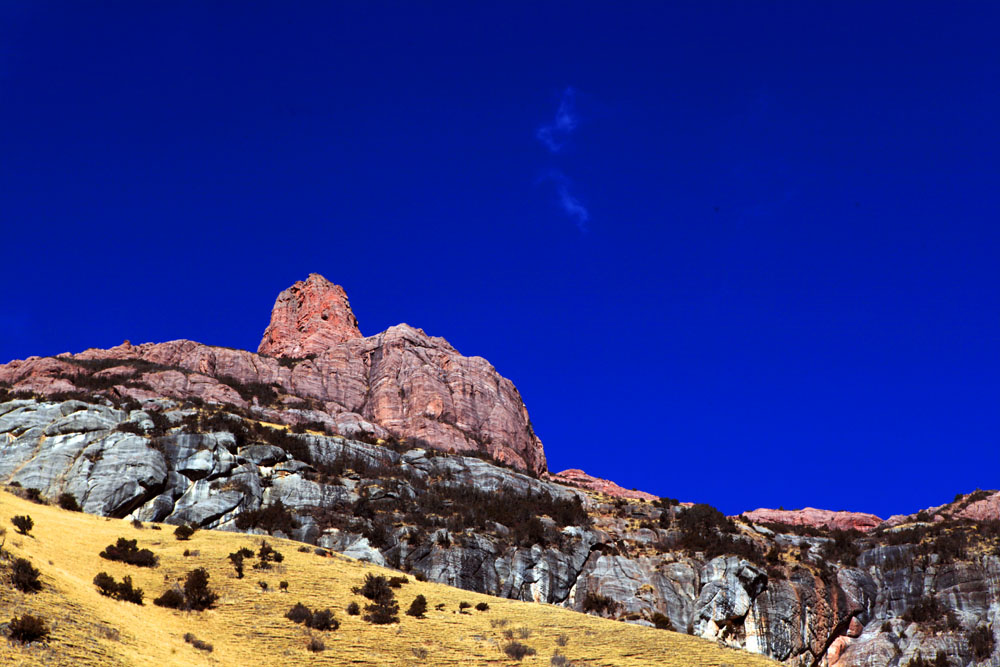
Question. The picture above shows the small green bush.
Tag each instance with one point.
(27, 629)
(184, 532)
(237, 560)
(197, 594)
(124, 590)
(127, 551)
(662, 621)
(376, 587)
(24, 576)
(197, 643)
(323, 620)
(23, 523)
(382, 613)
(981, 642)
(67, 501)
(171, 599)
(299, 613)
(418, 607)
(517, 650)
(595, 602)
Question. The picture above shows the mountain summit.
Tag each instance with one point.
(309, 318)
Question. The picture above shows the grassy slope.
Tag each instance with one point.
(248, 627)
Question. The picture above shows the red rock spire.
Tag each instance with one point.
(308, 318)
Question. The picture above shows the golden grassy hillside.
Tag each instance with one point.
(247, 625)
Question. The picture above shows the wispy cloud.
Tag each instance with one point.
(567, 201)
(555, 134)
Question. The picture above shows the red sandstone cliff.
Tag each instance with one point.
(318, 367)
(816, 518)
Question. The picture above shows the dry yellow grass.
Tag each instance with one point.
(247, 627)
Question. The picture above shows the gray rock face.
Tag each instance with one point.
(810, 617)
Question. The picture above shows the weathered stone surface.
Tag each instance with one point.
(309, 317)
(400, 382)
(811, 516)
(263, 455)
(576, 477)
(729, 586)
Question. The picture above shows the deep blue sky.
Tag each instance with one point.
(738, 253)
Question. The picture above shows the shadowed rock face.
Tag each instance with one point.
(157, 464)
(400, 382)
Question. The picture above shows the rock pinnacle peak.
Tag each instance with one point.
(308, 318)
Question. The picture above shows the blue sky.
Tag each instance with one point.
(737, 253)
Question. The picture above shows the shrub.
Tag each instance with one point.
(267, 555)
(517, 650)
(376, 587)
(940, 661)
(316, 644)
(171, 599)
(353, 609)
(24, 576)
(106, 584)
(34, 495)
(299, 613)
(661, 621)
(23, 523)
(558, 660)
(562, 640)
(137, 524)
(127, 593)
(323, 620)
(383, 611)
(127, 551)
(273, 518)
(462, 606)
(283, 585)
(197, 594)
(981, 642)
(595, 602)
(397, 582)
(924, 610)
(482, 606)
(27, 629)
(418, 607)
(67, 501)
(124, 591)
(197, 643)
(184, 532)
(263, 585)
(237, 560)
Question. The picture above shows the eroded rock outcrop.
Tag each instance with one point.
(309, 318)
(578, 478)
(816, 518)
(315, 366)
(808, 605)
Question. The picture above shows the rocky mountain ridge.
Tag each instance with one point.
(395, 449)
